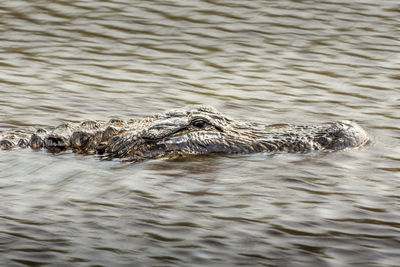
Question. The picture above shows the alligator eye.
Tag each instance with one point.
(199, 123)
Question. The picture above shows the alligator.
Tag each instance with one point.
(196, 130)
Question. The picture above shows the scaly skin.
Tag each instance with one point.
(192, 131)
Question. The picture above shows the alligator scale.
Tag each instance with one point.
(192, 131)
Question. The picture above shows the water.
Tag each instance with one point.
(268, 61)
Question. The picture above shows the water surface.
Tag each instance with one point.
(268, 61)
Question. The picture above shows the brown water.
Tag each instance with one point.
(268, 61)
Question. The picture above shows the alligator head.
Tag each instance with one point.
(203, 130)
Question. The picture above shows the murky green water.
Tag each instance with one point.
(268, 61)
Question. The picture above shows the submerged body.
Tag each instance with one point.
(192, 131)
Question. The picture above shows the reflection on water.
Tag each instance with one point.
(270, 61)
